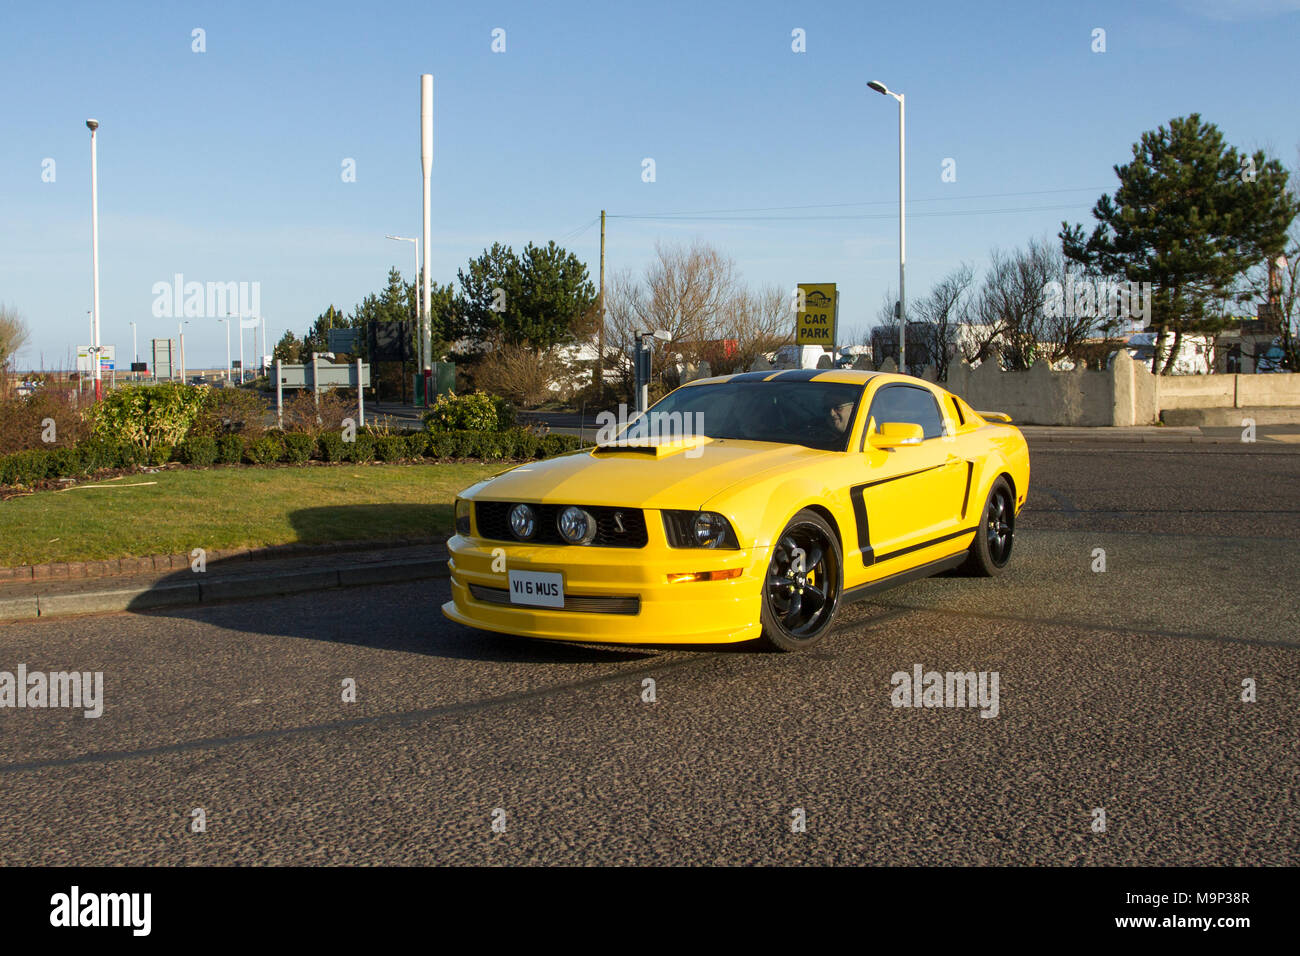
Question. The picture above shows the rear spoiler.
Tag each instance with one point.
(995, 417)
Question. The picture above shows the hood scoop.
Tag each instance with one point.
(649, 449)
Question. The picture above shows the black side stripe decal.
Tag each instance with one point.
(965, 498)
(860, 519)
(926, 544)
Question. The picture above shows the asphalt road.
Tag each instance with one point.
(1118, 690)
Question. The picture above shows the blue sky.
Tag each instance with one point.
(226, 165)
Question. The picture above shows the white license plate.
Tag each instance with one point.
(537, 588)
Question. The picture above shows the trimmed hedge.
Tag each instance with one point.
(298, 447)
(198, 450)
(94, 454)
(264, 450)
(332, 446)
(360, 449)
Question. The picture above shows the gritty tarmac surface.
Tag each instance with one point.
(1119, 690)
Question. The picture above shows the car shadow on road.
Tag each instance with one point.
(402, 616)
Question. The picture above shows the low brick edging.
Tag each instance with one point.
(115, 567)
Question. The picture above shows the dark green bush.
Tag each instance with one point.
(264, 450)
(360, 449)
(527, 445)
(332, 446)
(391, 447)
(230, 449)
(417, 445)
(66, 463)
(198, 450)
(298, 447)
(24, 467)
(553, 445)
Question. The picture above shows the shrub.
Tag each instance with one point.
(301, 413)
(98, 453)
(148, 416)
(553, 445)
(24, 467)
(25, 421)
(198, 450)
(227, 410)
(417, 444)
(361, 449)
(391, 447)
(65, 463)
(476, 411)
(527, 445)
(298, 447)
(230, 449)
(332, 447)
(264, 450)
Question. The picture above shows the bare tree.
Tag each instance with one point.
(13, 336)
(943, 311)
(1010, 305)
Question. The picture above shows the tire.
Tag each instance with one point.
(991, 550)
(798, 607)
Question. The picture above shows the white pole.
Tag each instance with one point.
(902, 240)
(94, 256)
(426, 166)
(180, 334)
(241, 349)
(361, 398)
(135, 353)
(263, 352)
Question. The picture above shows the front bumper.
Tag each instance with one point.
(686, 612)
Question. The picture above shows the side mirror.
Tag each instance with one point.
(896, 434)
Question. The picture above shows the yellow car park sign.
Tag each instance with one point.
(814, 322)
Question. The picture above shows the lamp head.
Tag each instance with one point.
(92, 124)
(879, 87)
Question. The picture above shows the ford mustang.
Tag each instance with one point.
(743, 507)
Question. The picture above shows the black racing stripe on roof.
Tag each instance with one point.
(800, 374)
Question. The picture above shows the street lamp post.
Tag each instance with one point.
(180, 334)
(902, 223)
(416, 279)
(93, 125)
(135, 352)
(226, 322)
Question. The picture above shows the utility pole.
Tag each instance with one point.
(600, 332)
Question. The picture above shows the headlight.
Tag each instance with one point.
(523, 522)
(699, 529)
(462, 516)
(576, 526)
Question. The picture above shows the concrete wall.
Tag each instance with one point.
(1122, 395)
(1125, 394)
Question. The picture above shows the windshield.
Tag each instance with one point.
(815, 414)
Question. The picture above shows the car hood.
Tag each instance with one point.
(654, 476)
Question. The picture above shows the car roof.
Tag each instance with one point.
(844, 376)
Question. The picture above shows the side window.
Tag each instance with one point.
(906, 403)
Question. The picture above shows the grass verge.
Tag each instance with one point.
(220, 508)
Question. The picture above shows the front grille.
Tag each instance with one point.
(493, 518)
(619, 604)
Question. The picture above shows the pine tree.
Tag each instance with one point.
(1190, 216)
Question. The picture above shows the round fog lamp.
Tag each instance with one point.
(577, 526)
(523, 522)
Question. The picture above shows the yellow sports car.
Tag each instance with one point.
(742, 507)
